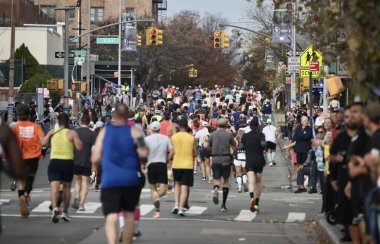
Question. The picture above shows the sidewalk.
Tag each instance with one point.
(331, 231)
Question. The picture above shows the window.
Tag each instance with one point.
(130, 10)
(97, 15)
(49, 10)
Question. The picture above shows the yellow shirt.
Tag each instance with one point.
(327, 161)
(183, 144)
(61, 147)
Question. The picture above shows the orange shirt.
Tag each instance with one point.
(29, 135)
(164, 127)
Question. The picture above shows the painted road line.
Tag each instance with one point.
(42, 208)
(196, 210)
(293, 217)
(90, 208)
(145, 209)
(246, 215)
(4, 201)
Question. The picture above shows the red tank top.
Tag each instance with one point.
(164, 127)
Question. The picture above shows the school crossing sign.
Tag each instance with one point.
(310, 55)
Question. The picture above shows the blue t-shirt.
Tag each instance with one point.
(120, 163)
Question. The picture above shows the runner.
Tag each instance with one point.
(121, 171)
(239, 162)
(61, 166)
(270, 133)
(202, 136)
(82, 163)
(160, 152)
(29, 136)
(185, 149)
(254, 143)
(222, 143)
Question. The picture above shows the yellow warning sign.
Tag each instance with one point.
(310, 55)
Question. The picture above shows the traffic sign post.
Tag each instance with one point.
(102, 40)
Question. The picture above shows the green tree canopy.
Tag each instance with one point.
(32, 66)
(38, 80)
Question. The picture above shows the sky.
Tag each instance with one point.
(233, 10)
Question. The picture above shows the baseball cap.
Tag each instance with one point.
(204, 124)
(269, 121)
(155, 125)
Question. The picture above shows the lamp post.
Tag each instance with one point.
(12, 64)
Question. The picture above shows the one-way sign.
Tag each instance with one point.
(62, 55)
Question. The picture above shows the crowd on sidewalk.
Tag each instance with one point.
(226, 131)
(339, 152)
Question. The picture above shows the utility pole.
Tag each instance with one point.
(119, 57)
(88, 50)
(12, 64)
(294, 47)
(79, 6)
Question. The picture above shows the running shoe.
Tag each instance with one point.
(204, 178)
(210, 181)
(195, 172)
(92, 178)
(312, 190)
(156, 214)
(181, 212)
(55, 215)
(97, 188)
(215, 198)
(81, 208)
(256, 208)
(13, 185)
(186, 207)
(175, 209)
(170, 187)
(252, 205)
(24, 210)
(76, 203)
(137, 235)
(223, 209)
(121, 236)
(245, 187)
(300, 190)
(240, 189)
(65, 217)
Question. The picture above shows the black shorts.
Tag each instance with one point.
(301, 158)
(157, 173)
(61, 170)
(221, 170)
(271, 145)
(255, 167)
(31, 165)
(118, 199)
(184, 176)
(201, 152)
(207, 152)
(83, 171)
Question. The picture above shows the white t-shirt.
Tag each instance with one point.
(247, 129)
(270, 133)
(158, 145)
(201, 135)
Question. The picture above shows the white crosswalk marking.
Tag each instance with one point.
(90, 208)
(196, 210)
(42, 207)
(293, 217)
(145, 209)
(246, 215)
(4, 201)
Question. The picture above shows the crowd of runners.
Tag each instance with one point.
(167, 136)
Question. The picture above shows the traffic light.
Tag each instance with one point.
(217, 36)
(76, 86)
(151, 36)
(83, 87)
(159, 37)
(225, 40)
(193, 73)
(138, 40)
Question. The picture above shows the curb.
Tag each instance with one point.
(328, 231)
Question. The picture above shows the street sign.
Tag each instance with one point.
(62, 55)
(108, 40)
(79, 60)
(314, 66)
(80, 52)
(293, 63)
(290, 53)
(310, 55)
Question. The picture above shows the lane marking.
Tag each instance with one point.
(246, 215)
(293, 217)
(145, 209)
(196, 210)
(4, 201)
(42, 207)
(90, 207)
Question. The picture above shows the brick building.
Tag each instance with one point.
(26, 13)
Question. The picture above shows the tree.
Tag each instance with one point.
(38, 80)
(32, 66)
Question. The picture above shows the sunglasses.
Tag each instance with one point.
(321, 132)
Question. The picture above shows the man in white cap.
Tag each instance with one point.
(160, 152)
(202, 136)
(270, 133)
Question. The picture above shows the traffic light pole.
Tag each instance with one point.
(119, 54)
(12, 64)
(88, 63)
(293, 94)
